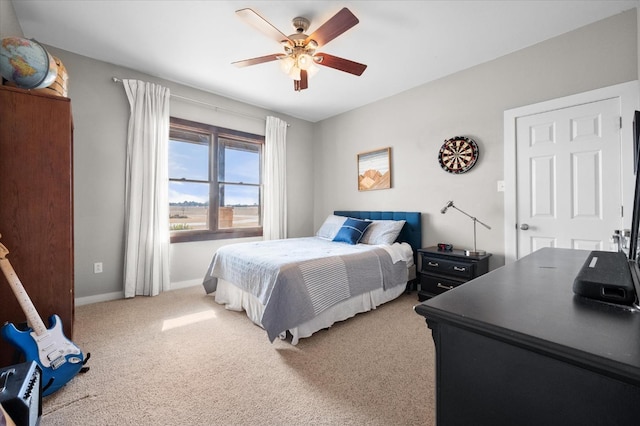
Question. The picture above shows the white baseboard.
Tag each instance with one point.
(99, 298)
(120, 294)
(184, 284)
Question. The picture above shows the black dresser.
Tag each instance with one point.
(517, 347)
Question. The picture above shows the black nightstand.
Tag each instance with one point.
(441, 271)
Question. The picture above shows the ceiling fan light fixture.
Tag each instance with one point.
(312, 70)
(294, 63)
(294, 73)
(304, 61)
(286, 63)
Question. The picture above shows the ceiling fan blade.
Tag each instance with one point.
(255, 61)
(340, 64)
(303, 83)
(339, 23)
(255, 20)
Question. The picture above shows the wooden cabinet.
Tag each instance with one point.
(36, 205)
(441, 271)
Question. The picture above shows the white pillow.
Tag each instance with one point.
(382, 232)
(330, 227)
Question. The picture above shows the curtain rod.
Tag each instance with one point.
(215, 107)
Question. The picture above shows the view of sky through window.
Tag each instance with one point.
(191, 161)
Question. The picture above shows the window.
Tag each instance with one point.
(212, 166)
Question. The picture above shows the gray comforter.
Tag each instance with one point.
(296, 279)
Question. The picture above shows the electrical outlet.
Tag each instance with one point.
(97, 268)
(500, 186)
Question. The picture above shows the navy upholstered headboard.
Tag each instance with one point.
(411, 232)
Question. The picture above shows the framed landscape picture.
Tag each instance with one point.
(374, 169)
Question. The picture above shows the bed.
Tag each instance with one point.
(303, 285)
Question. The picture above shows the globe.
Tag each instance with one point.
(26, 63)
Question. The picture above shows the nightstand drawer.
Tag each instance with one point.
(447, 267)
(434, 285)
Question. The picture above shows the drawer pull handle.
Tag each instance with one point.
(459, 269)
(433, 264)
(446, 287)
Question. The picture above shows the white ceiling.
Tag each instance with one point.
(404, 43)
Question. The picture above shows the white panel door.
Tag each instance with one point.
(568, 177)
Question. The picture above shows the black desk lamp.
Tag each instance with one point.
(475, 251)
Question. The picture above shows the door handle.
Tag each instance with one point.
(524, 227)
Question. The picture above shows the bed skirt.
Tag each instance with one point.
(238, 300)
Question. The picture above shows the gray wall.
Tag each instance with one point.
(9, 25)
(470, 103)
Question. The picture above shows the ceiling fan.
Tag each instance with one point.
(300, 55)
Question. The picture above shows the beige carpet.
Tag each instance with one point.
(210, 366)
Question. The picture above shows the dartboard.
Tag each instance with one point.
(458, 154)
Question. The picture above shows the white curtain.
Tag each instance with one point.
(146, 257)
(274, 218)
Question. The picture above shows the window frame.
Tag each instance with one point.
(215, 133)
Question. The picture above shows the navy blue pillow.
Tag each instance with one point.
(352, 231)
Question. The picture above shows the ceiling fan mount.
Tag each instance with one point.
(300, 54)
(300, 24)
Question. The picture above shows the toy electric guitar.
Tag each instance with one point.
(59, 359)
